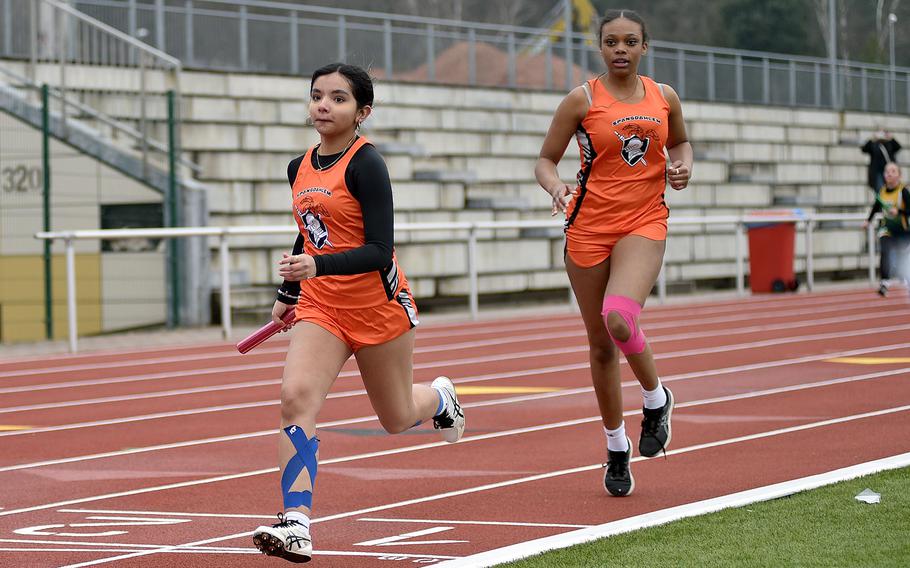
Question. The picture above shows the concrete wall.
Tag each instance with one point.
(461, 154)
(117, 287)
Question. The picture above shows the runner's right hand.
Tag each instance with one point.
(562, 194)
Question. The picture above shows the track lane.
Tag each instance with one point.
(487, 416)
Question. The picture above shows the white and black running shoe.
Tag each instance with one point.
(451, 420)
(286, 539)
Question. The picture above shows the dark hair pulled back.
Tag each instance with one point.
(361, 84)
(631, 15)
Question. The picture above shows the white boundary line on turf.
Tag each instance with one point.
(517, 481)
(775, 491)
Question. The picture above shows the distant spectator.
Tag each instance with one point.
(893, 202)
(882, 148)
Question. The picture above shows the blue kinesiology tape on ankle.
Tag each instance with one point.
(304, 458)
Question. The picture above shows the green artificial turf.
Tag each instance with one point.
(826, 527)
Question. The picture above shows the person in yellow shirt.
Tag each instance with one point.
(893, 202)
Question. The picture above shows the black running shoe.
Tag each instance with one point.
(655, 428)
(883, 289)
(618, 480)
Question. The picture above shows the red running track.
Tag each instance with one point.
(165, 457)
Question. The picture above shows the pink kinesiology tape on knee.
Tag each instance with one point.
(628, 309)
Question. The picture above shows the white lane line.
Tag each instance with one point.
(579, 332)
(180, 549)
(108, 545)
(655, 314)
(485, 359)
(270, 517)
(493, 402)
(523, 322)
(491, 523)
(164, 513)
(740, 499)
(467, 379)
(186, 549)
(417, 447)
(690, 325)
(538, 477)
(59, 550)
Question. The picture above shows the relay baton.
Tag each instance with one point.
(265, 332)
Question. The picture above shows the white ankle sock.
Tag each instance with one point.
(299, 517)
(616, 439)
(654, 398)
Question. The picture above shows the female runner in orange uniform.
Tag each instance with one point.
(350, 297)
(616, 224)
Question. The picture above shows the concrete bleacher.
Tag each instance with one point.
(468, 154)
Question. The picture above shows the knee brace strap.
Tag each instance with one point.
(629, 310)
(304, 458)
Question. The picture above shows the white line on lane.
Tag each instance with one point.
(417, 447)
(486, 359)
(448, 330)
(577, 332)
(497, 402)
(491, 523)
(267, 517)
(165, 513)
(532, 478)
(108, 545)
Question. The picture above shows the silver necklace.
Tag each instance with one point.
(615, 100)
(319, 165)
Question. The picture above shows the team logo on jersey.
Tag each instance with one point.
(633, 148)
(311, 215)
(635, 139)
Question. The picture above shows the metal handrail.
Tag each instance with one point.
(126, 129)
(172, 62)
(740, 222)
(76, 38)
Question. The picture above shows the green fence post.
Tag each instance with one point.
(173, 210)
(46, 165)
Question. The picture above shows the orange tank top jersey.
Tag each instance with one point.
(623, 168)
(329, 217)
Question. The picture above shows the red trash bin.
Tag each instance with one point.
(771, 253)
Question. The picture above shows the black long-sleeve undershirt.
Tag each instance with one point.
(367, 178)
